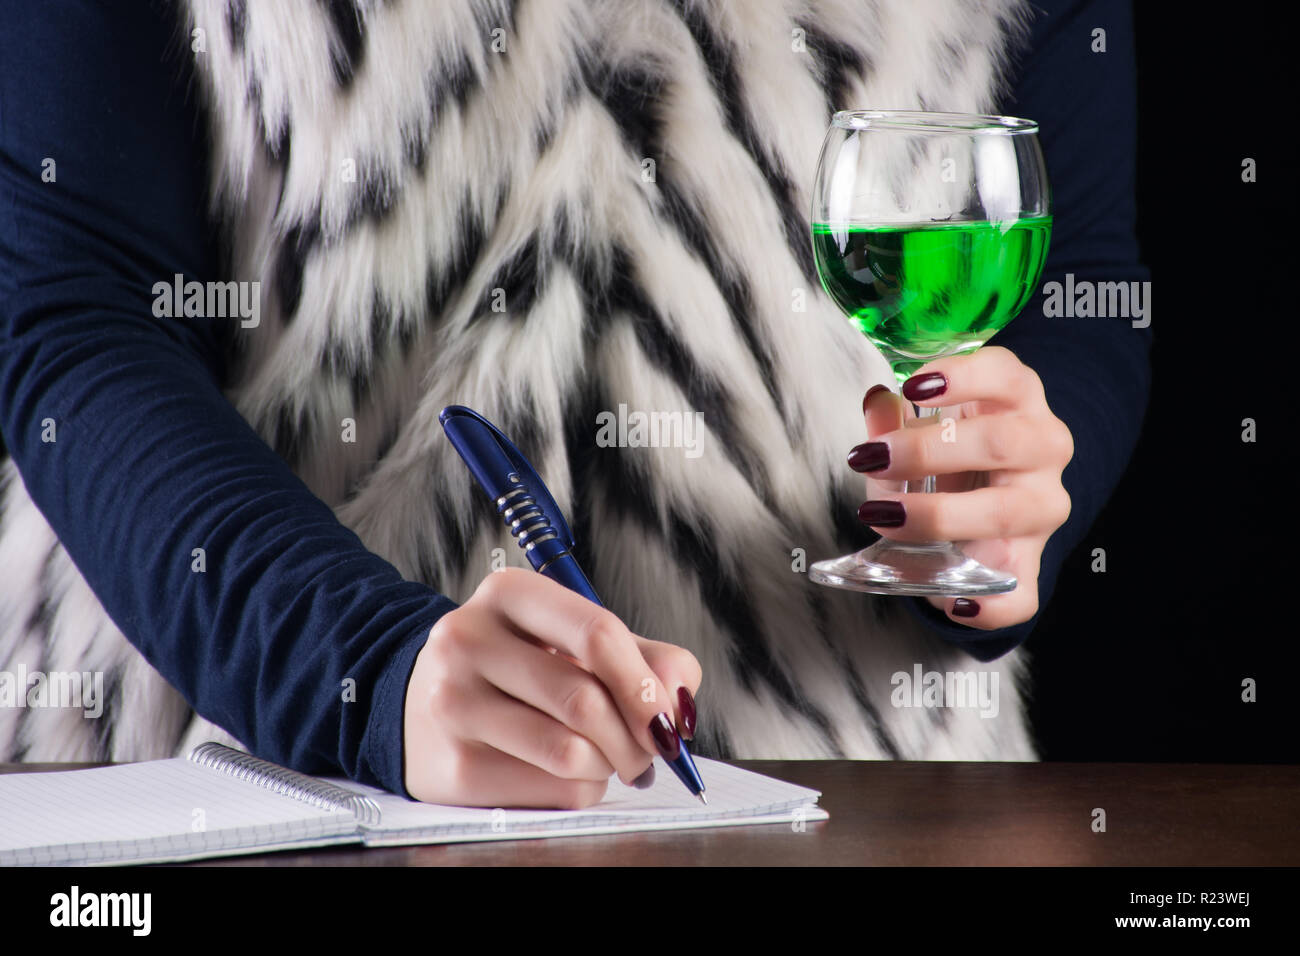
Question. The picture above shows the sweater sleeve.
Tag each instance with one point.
(1095, 371)
(120, 431)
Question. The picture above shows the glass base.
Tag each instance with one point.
(927, 569)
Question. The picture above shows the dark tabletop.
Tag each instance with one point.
(886, 813)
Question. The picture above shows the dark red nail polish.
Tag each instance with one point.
(686, 703)
(881, 514)
(919, 388)
(872, 391)
(646, 780)
(666, 739)
(869, 456)
(964, 607)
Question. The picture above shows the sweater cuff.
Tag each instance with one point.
(984, 645)
(385, 747)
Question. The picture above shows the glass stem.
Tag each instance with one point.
(926, 484)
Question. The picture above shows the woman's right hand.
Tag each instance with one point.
(530, 695)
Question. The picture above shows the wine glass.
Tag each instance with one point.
(929, 231)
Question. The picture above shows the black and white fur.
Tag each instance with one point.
(524, 170)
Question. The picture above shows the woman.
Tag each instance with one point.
(545, 211)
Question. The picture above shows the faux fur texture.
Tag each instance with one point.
(634, 176)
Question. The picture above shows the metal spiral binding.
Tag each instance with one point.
(526, 521)
(288, 782)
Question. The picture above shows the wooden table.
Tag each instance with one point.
(888, 813)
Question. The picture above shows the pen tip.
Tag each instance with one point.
(702, 800)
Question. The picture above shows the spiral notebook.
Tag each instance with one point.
(223, 802)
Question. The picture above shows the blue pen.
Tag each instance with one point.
(533, 517)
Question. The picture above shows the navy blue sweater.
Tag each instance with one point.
(102, 193)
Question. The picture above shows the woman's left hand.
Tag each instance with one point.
(997, 452)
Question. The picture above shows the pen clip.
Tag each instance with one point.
(474, 437)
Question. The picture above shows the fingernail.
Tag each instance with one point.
(869, 456)
(646, 780)
(918, 388)
(686, 703)
(964, 607)
(881, 514)
(872, 391)
(666, 739)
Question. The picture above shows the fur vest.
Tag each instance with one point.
(560, 213)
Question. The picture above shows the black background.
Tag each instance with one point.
(1146, 661)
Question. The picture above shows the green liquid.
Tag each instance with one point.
(925, 291)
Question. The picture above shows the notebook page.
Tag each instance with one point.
(588, 826)
(735, 796)
(157, 810)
